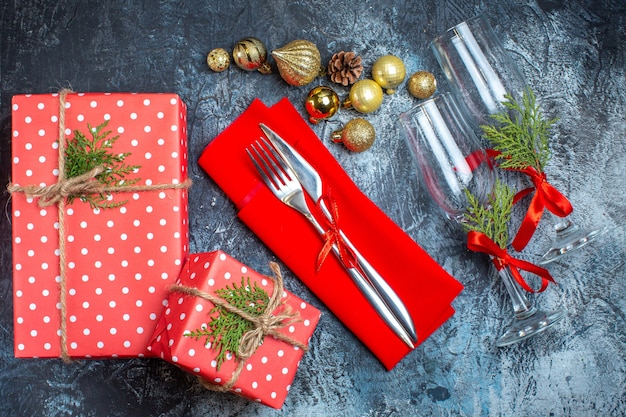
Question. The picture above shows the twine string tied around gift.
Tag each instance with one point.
(265, 324)
(58, 193)
(84, 184)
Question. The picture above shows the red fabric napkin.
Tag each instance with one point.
(426, 289)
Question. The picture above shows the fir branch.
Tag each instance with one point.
(82, 154)
(493, 219)
(520, 133)
(225, 329)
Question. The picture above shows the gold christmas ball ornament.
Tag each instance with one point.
(366, 96)
(389, 72)
(298, 62)
(422, 84)
(357, 135)
(250, 54)
(321, 103)
(218, 59)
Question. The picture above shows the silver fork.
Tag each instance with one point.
(283, 183)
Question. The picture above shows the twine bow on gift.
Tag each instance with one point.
(265, 324)
(332, 236)
(480, 242)
(546, 197)
(65, 188)
(84, 184)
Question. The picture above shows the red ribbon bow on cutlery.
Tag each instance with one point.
(332, 235)
(480, 242)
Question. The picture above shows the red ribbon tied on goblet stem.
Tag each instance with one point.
(332, 235)
(480, 242)
(546, 197)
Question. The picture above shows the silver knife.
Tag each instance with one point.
(312, 184)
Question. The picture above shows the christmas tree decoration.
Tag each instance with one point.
(218, 59)
(94, 155)
(298, 62)
(488, 232)
(389, 72)
(345, 68)
(250, 54)
(422, 84)
(226, 329)
(520, 137)
(357, 135)
(366, 96)
(321, 103)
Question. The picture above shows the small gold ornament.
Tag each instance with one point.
(298, 62)
(218, 59)
(366, 96)
(250, 54)
(389, 72)
(357, 135)
(321, 104)
(422, 84)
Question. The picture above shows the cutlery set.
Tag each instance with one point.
(289, 175)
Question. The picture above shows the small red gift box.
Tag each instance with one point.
(267, 374)
(91, 282)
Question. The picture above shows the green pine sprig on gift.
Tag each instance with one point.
(83, 153)
(225, 329)
(492, 219)
(520, 134)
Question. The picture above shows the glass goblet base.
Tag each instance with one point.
(529, 325)
(569, 237)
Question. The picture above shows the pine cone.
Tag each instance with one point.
(345, 68)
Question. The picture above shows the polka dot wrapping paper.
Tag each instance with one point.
(267, 375)
(119, 261)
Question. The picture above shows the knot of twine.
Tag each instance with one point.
(265, 324)
(85, 184)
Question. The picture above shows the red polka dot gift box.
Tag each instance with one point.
(236, 329)
(94, 252)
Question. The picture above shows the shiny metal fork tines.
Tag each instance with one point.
(279, 178)
(276, 176)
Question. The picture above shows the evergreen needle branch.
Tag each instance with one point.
(225, 328)
(520, 133)
(83, 153)
(491, 220)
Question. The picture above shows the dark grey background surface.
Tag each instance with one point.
(573, 54)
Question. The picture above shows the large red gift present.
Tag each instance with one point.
(259, 359)
(91, 269)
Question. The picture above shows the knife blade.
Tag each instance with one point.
(313, 186)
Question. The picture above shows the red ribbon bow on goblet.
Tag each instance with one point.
(546, 197)
(480, 242)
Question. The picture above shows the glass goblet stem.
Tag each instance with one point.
(529, 320)
(522, 307)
